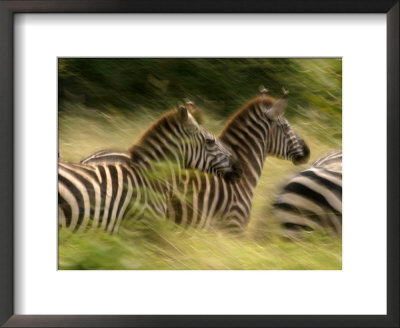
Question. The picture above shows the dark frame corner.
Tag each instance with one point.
(7, 10)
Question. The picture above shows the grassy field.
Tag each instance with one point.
(168, 246)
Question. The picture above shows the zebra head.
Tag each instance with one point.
(283, 141)
(204, 151)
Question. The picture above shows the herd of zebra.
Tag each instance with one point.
(179, 171)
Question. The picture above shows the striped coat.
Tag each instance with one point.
(312, 199)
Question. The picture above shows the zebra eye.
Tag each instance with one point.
(210, 142)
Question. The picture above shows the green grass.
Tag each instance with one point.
(167, 246)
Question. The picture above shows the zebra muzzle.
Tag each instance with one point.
(304, 157)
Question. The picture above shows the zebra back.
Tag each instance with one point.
(107, 156)
(331, 161)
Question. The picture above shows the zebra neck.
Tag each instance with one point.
(163, 170)
(247, 139)
(157, 158)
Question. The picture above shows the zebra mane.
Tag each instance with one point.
(165, 122)
(242, 113)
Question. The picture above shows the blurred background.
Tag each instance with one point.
(109, 103)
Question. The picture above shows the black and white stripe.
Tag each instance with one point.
(101, 195)
(312, 199)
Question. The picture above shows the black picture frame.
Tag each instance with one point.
(7, 11)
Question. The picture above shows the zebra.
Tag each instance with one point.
(102, 195)
(312, 199)
(253, 132)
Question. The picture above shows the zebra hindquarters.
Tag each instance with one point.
(310, 201)
(93, 196)
(78, 197)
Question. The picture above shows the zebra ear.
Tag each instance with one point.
(183, 113)
(277, 109)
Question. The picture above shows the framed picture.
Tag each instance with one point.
(158, 110)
